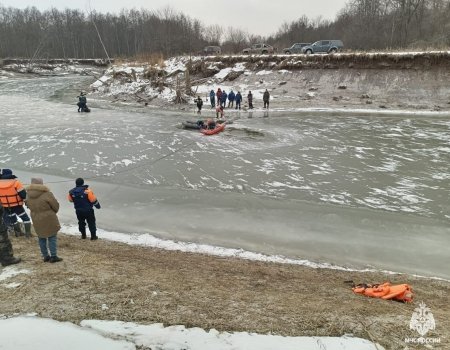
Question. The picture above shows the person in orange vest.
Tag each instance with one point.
(84, 199)
(12, 196)
(6, 251)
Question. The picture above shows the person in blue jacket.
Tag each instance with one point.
(84, 199)
(223, 99)
(212, 98)
(238, 100)
(231, 98)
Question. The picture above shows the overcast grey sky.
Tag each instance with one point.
(257, 16)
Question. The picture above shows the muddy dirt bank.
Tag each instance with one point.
(150, 285)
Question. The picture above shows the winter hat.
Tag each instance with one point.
(6, 172)
(37, 181)
(79, 182)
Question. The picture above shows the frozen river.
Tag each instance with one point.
(351, 190)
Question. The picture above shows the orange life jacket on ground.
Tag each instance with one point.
(9, 193)
(399, 292)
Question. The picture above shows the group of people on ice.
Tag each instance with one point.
(43, 207)
(220, 98)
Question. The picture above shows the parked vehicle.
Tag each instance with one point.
(211, 51)
(296, 48)
(258, 49)
(324, 46)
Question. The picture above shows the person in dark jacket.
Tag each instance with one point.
(231, 98)
(266, 98)
(82, 102)
(12, 196)
(212, 98)
(223, 99)
(6, 251)
(199, 103)
(84, 199)
(238, 100)
(210, 124)
(250, 100)
(43, 207)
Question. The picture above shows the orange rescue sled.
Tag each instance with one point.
(399, 292)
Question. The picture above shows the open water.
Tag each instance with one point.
(352, 190)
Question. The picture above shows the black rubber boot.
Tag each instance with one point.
(27, 226)
(18, 229)
(55, 259)
(11, 261)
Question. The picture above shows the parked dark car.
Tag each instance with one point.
(324, 46)
(296, 48)
(211, 51)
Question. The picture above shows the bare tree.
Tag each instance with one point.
(236, 39)
(213, 34)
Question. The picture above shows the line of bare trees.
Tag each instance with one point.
(361, 24)
(377, 24)
(73, 33)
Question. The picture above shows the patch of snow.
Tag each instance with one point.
(148, 240)
(12, 285)
(223, 73)
(264, 72)
(46, 333)
(11, 271)
(118, 335)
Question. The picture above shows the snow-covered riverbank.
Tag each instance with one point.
(383, 81)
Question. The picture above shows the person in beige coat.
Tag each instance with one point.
(43, 207)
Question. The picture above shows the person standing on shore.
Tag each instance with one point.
(44, 207)
(212, 98)
(223, 99)
(199, 103)
(250, 100)
(231, 98)
(6, 252)
(219, 95)
(12, 196)
(266, 98)
(84, 199)
(238, 100)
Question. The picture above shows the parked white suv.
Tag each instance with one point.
(258, 49)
